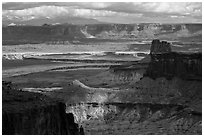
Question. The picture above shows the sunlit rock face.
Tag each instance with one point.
(99, 97)
(104, 112)
(84, 112)
(130, 118)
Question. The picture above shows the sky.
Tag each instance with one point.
(107, 12)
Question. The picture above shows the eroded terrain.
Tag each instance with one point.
(116, 88)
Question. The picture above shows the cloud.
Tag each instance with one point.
(94, 5)
(128, 7)
(36, 12)
(54, 11)
(26, 5)
(180, 8)
(142, 11)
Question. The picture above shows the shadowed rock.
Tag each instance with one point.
(26, 113)
(160, 47)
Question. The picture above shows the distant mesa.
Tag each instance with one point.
(49, 32)
(160, 47)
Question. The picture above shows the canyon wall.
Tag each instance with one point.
(68, 33)
(130, 118)
(26, 113)
(182, 65)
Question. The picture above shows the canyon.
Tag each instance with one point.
(166, 88)
(159, 94)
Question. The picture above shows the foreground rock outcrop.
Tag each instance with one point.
(26, 113)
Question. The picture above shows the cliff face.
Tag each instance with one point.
(182, 65)
(127, 75)
(160, 47)
(128, 118)
(169, 77)
(25, 113)
(63, 34)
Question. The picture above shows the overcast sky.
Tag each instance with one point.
(139, 12)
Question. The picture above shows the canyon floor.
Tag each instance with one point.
(110, 97)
